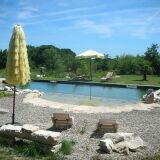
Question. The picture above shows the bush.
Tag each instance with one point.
(56, 156)
(84, 128)
(67, 146)
(30, 150)
(5, 94)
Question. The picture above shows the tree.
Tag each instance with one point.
(153, 56)
(3, 58)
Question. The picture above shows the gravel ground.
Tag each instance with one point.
(144, 123)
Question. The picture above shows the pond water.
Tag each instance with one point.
(87, 94)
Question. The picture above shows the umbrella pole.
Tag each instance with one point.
(90, 92)
(90, 70)
(14, 97)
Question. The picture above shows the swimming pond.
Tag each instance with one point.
(80, 94)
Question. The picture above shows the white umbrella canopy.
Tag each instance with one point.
(17, 67)
(90, 54)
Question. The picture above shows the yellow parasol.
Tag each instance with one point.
(17, 67)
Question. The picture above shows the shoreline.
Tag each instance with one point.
(36, 100)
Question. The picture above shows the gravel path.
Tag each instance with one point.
(144, 123)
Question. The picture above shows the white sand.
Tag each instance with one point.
(35, 99)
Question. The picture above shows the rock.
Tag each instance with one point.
(122, 148)
(3, 111)
(124, 141)
(135, 143)
(119, 136)
(6, 88)
(56, 148)
(10, 130)
(149, 96)
(46, 137)
(28, 128)
(26, 91)
(157, 95)
(106, 145)
(1, 88)
(48, 148)
(37, 92)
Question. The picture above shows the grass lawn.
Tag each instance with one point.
(124, 79)
(133, 79)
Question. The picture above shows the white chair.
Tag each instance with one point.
(108, 76)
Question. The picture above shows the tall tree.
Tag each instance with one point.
(153, 56)
(3, 58)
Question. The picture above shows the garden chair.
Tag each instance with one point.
(107, 77)
(107, 126)
(62, 120)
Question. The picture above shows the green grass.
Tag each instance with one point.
(133, 79)
(5, 94)
(155, 157)
(124, 79)
(24, 151)
(2, 73)
(31, 151)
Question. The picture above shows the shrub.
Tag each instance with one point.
(28, 149)
(5, 94)
(84, 128)
(56, 156)
(67, 146)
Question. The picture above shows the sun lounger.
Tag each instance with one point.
(107, 126)
(62, 120)
(81, 78)
(108, 76)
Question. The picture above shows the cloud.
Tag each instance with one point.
(31, 9)
(94, 27)
(137, 22)
(62, 3)
(68, 11)
(23, 2)
(26, 12)
(24, 15)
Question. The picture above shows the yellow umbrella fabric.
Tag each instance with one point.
(91, 54)
(17, 67)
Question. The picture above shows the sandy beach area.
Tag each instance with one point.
(142, 119)
(36, 100)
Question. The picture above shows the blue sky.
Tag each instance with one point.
(113, 27)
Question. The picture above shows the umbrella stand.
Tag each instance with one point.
(14, 97)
